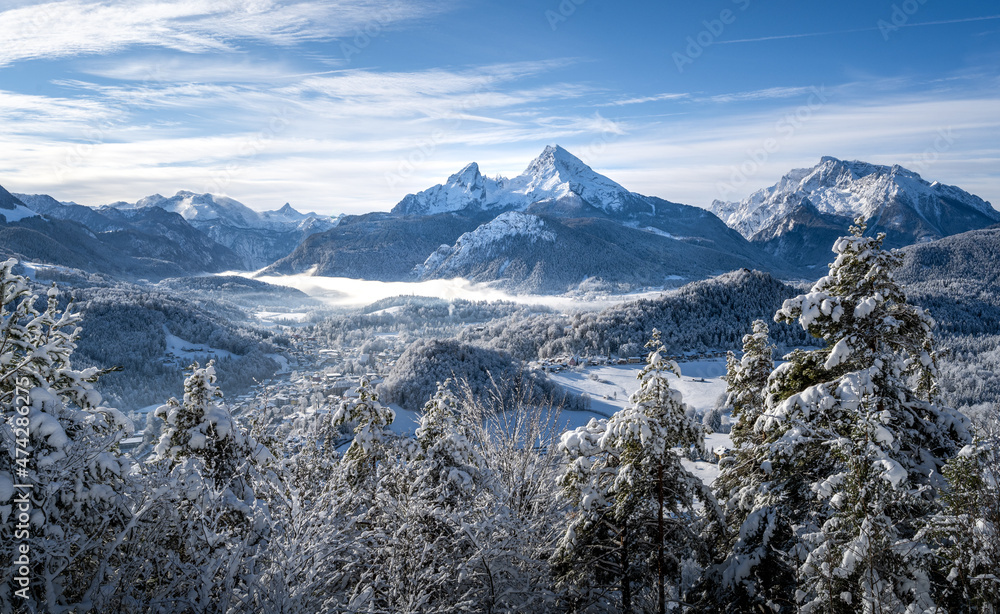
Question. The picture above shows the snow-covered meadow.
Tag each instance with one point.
(610, 387)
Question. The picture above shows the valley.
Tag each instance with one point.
(530, 317)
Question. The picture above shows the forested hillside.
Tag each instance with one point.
(127, 328)
(704, 316)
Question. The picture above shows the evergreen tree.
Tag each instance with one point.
(446, 465)
(203, 527)
(746, 381)
(63, 484)
(370, 419)
(844, 464)
(967, 531)
(634, 503)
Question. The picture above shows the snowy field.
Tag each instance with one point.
(610, 387)
(618, 383)
(188, 351)
(298, 317)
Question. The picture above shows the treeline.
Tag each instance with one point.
(417, 317)
(710, 315)
(126, 328)
(427, 362)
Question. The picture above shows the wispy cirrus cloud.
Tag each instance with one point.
(644, 99)
(315, 147)
(763, 94)
(91, 27)
(893, 26)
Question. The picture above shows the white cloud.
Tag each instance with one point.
(643, 99)
(91, 27)
(359, 140)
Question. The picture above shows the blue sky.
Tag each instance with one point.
(346, 106)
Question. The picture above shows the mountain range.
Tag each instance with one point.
(557, 226)
(153, 238)
(799, 217)
(258, 238)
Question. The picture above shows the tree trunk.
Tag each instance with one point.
(626, 580)
(661, 596)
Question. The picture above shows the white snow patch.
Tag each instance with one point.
(277, 316)
(18, 213)
(192, 351)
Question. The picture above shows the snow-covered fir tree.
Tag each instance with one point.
(746, 381)
(62, 482)
(633, 514)
(370, 419)
(425, 519)
(203, 526)
(746, 387)
(446, 466)
(967, 530)
(846, 459)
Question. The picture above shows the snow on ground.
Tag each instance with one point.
(706, 471)
(185, 350)
(388, 311)
(610, 387)
(282, 316)
(406, 421)
(17, 214)
(32, 269)
(282, 361)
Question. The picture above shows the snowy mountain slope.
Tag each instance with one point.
(12, 208)
(466, 189)
(485, 242)
(550, 228)
(706, 315)
(972, 256)
(259, 238)
(555, 175)
(146, 243)
(376, 246)
(891, 196)
(521, 252)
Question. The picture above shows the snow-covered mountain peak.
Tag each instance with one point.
(557, 174)
(200, 208)
(285, 215)
(465, 189)
(554, 175)
(468, 176)
(848, 189)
